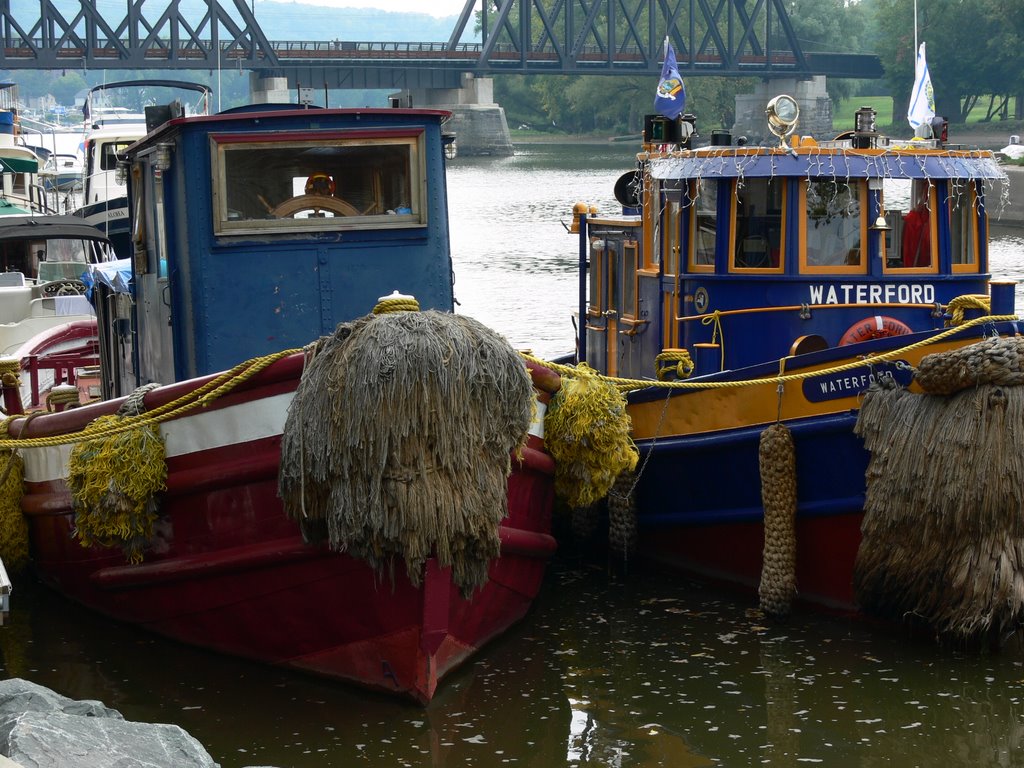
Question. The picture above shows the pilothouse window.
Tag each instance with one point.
(332, 183)
(834, 226)
(758, 243)
(705, 223)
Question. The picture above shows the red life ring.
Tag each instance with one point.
(877, 327)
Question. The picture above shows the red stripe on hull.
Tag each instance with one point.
(732, 553)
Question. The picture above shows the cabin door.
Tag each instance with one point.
(613, 297)
(602, 312)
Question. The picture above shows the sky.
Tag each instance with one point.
(433, 7)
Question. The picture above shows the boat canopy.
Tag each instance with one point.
(15, 228)
(822, 161)
(19, 165)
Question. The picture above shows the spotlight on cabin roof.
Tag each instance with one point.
(782, 112)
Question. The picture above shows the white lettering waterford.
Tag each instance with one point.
(872, 293)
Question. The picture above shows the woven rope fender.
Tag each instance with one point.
(778, 495)
(943, 533)
(114, 480)
(586, 430)
(998, 360)
(13, 526)
(398, 443)
(622, 523)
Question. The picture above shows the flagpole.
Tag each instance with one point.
(915, 28)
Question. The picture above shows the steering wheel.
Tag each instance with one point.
(64, 288)
(301, 203)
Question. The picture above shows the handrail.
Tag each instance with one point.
(798, 308)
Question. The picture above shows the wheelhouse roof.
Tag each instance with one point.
(825, 161)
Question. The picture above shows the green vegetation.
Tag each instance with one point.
(843, 112)
(978, 120)
(975, 52)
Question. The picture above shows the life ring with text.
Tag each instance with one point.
(877, 327)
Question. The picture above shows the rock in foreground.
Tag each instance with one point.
(42, 729)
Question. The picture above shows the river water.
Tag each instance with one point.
(609, 668)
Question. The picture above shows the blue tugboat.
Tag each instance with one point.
(746, 287)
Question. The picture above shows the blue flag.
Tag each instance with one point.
(670, 100)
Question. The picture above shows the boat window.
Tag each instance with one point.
(670, 228)
(910, 243)
(336, 182)
(61, 259)
(704, 223)
(963, 229)
(595, 268)
(758, 228)
(834, 227)
(112, 152)
(630, 249)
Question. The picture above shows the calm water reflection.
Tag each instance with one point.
(605, 671)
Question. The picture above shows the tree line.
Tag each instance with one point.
(975, 55)
(975, 52)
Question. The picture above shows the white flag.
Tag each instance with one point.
(922, 98)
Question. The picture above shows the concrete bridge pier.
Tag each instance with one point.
(811, 96)
(267, 89)
(478, 123)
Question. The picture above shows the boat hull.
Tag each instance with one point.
(699, 493)
(227, 570)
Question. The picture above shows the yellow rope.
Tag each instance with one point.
(408, 304)
(715, 318)
(202, 396)
(227, 381)
(10, 367)
(960, 304)
(625, 384)
(70, 397)
(682, 364)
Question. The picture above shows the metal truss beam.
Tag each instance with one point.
(609, 37)
(222, 34)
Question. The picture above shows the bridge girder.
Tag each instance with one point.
(609, 37)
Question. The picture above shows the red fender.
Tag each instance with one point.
(877, 327)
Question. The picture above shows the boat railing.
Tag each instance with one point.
(708, 317)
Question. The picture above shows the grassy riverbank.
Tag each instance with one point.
(991, 135)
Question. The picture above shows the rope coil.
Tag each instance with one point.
(682, 368)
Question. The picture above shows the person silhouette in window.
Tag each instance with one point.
(916, 246)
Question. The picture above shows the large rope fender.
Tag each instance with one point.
(943, 535)
(398, 443)
(998, 360)
(777, 456)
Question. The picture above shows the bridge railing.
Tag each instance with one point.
(338, 50)
(343, 50)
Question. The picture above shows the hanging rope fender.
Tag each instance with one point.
(778, 495)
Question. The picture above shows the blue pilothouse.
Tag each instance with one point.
(260, 229)
(742, 254)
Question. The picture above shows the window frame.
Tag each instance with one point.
(734, 229)
(833, 269)
(223, 143)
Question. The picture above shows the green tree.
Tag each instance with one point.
(831, 26)
(973, 48)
